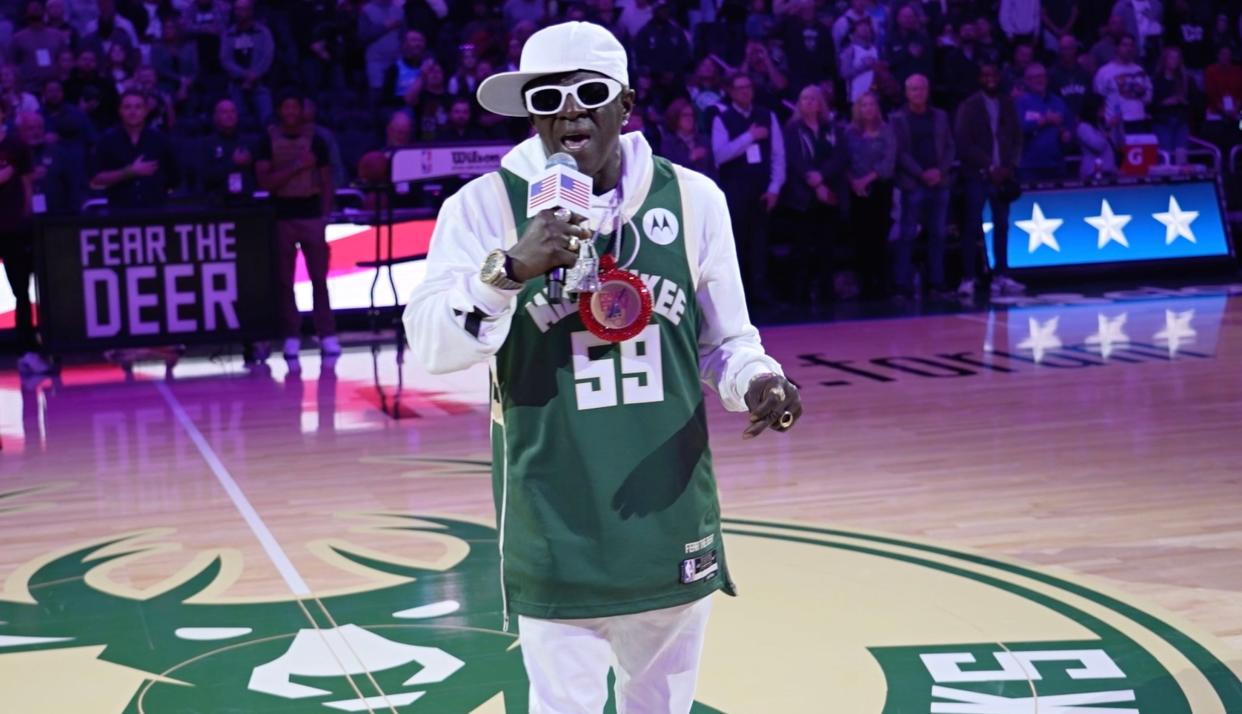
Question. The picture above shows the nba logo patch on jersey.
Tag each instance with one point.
(701, 568)
(660, 225)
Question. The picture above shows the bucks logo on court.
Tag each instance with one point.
(829, 621)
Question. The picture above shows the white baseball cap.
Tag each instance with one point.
(567, 47)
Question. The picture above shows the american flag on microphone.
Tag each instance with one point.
(542, 191)
(576, 190)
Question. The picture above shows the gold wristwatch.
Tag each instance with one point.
(494, 271)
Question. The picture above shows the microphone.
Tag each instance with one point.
(560, 185)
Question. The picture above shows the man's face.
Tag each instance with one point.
(1067, 49)
(1116, 26)
(916, 91)
(1023, 55)
(459, 114)
(399, 130)
(1126, 49)
(906, 19)
(53, 94)
(591, 136)
(989, 79)
(30, 128)
(966, 35)
(133, 111)
(707, 74)
(145, 78)
(55, 11)
(413, 45)
(65, 61)
(1036, 79)
(742, 91)
(88, 63)
(225, 117)
(291, 111)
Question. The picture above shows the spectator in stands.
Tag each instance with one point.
(989, 143)
(705, 91)
(1015, 73)
(17, 238)
(1173, 94)
(843, 28)
(1144, 21)
(429, 100)
(160, 112)
(461, 125)
(205, 22)
(1223, 85)
(71, 129)
(1224, 34)
(988, 48)
(815, 150)
(635, 14)
(12, 94)
(1019, 19)
(1125, 86)
(468, 75)
(246, 54)
(35, 48)
(399, 132)
(109, 29)
(328, 52)
(136, 164)
(1068, 79)
(119, 66)
(1098, 140)
(380, 25)
(1058, 18)
(58, 182)
(227, 161)
(1104, 50)
(56, 20)
(750, 155)
(768, 80)
(66, 61)
(1189, 26)
(1046, 127)
(402, 74)
(858, 61)
(292, 164)
(759, 23)
(94, 94)
(925, 155)
(810, 53)
(683, 143)
(661, 46)
(961, 68)
(175, 60)
(871, 149)
(909, 50)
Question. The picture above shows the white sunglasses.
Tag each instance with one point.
(588, 94)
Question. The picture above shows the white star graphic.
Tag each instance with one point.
(1177, 222)
(1111, 332)
(1177, 330)
(1109, 225)
(1041, 230)
(1043, 337)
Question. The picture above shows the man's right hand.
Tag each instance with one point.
(140, 167)
(758, 133)
(544, 245)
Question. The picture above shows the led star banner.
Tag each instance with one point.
(132, 281)
(1114, 224)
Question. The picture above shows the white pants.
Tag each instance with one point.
(655, 656)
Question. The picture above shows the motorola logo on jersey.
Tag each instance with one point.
(660, 225)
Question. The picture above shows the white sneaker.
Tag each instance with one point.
(293, 345)
(330, 345)
(33, 363)
(966, 288)
(1010, 286)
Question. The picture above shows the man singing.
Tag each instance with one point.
(610, 539)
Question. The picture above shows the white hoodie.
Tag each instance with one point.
(478, 219)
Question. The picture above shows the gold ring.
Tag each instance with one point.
(779, 392)
(787, 420)
(574, 244)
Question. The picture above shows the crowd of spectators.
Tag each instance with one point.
(900, 116)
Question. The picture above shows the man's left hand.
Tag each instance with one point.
(770, 398)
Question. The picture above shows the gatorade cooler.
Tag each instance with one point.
(1141, 153)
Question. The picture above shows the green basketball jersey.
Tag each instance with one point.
(602, 474)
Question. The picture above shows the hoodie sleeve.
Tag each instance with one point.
(730, 352)
(453, 320)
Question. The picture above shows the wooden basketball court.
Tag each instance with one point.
(1036, 508)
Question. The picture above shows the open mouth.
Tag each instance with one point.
(575, 141)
